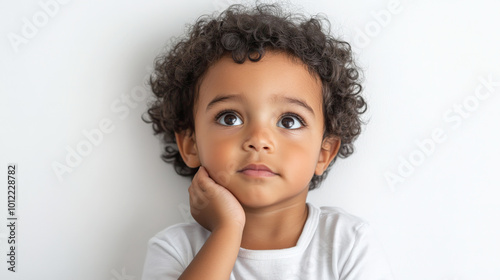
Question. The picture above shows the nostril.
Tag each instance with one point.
(258, 147)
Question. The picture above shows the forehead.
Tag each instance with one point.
(275, 74)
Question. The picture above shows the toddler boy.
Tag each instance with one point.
(255, 105)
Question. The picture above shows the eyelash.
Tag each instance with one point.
(290, 114)
(287, 114)
(221, 113)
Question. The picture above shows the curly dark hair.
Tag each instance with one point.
(247, 32)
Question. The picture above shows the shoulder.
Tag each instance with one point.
(181, 229)
(171, 250)
(336, 218)
(353, 245)
(183, 236)
(342, 229)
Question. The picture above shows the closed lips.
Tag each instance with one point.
(257, 170)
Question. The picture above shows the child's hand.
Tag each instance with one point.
(212, 205)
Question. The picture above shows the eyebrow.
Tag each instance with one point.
(222, 98)
(293, 100)
(278, 98)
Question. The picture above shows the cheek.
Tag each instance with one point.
(218, 156)
(302, 161)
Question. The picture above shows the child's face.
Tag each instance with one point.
(250, 114)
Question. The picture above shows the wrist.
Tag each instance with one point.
(229, 228)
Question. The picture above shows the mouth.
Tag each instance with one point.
(257, 170)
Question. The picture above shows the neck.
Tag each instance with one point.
(276, 227)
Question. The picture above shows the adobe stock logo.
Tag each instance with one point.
(121, 107)
(121, 276)
(381, 19)
(30, 27)
(454, 116)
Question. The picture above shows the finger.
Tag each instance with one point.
(204, 175)
(202, 178)
(206, 184)
(192, 195)
(197, 198)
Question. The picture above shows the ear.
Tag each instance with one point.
(186, 141)
(329, 149)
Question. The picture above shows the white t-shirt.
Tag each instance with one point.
(333, 245)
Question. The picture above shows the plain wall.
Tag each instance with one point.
(424, 173)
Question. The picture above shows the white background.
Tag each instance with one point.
(85, 62)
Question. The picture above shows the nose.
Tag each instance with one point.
(259, 139)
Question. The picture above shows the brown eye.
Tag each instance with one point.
(290, 122)
(287, 122)
(229, 119)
